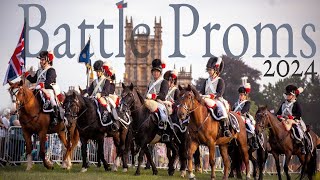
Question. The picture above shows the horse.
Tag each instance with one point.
(258, 162)
(204, 129)
(144, 128)
(34, 121)
(83, 111)
(282, 142)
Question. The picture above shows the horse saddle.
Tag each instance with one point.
(234, 122)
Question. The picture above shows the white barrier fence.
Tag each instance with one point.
(12, 150)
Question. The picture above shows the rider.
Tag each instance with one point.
(157, 90)
(290, 109)
(99, 88)
(45, 79)
(214, 88)
(242, 107)
(171, 77)
(112, 99)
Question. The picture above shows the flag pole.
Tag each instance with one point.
(88, 66)
(25, 50)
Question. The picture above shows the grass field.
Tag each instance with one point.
(39, 172)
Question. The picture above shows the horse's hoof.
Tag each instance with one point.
(125, 170)
(28, 169)
(192, 176)
(137, 174)
(114, 169)
(84, 170)
(69, 167)
(183, 174)
(155, 172)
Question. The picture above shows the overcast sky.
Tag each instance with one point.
(248, 13)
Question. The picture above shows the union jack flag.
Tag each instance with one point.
(17, 62)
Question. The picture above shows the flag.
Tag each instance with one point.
(121, 5)
(85, 54)
(17, 62)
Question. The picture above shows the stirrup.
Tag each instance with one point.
(227, 133)
(46, 104)
(165, 138)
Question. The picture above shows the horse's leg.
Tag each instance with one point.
(244, 151)
(254, 163)
(149, 158)
(117, 141)
(123, 150)
(27, 138)
(197, 161)
(140, 158)
(286, 164)
(74, 142)
(262, 156)
(193, 146)
(100, 142)
(62, 137)
(171, 155)
(302, 159)
(226, 162)
(276, 158)
(42, 153)
(183, 154)
(84, 143)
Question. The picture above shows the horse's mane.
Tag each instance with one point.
(262, 109)
(139, 95)
(196, 94)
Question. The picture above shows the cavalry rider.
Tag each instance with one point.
(213, 90)
(173, 93)
(290, 109)
(45, 79)
(98, 89)
(157, 90)
(112, 98)
(242, 107)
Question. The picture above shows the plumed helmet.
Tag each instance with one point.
(171, 75)
(215, 63)
(98, 65)
(158, 65)
(48, 55)
(293, 90)
(246, 89)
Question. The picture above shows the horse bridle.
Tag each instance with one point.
(74, 114)
(130, 104)
(186, 107)
(262, 126)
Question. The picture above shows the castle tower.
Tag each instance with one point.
(138, 69)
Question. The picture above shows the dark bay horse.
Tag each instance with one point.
(144, 127)
(258, 157)
(34, 121)
(281, 142)
(204, 129)
(83, 111)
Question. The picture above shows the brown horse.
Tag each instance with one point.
(205, 130)
(34, 121)
(281, 142)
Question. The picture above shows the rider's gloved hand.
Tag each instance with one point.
(151, 96)
(40, 85)
(98, 95)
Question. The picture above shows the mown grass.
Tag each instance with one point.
(39, 172)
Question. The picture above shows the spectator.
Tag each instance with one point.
(14, 121)
(4, 126)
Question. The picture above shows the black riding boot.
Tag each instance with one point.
(54, 120)
(303, 149)
(255, 144)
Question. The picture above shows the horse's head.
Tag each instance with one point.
(187, 102)
(17, 93)
(127, 96)
(261, 119)
(72, 107)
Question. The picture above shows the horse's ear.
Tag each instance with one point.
(74, 95)
(123, 86)
(21, 83)
(131, 86)
(189, 87)
(180, 87)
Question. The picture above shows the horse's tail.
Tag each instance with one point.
(312, 164)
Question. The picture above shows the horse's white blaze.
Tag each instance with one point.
(29, 160)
